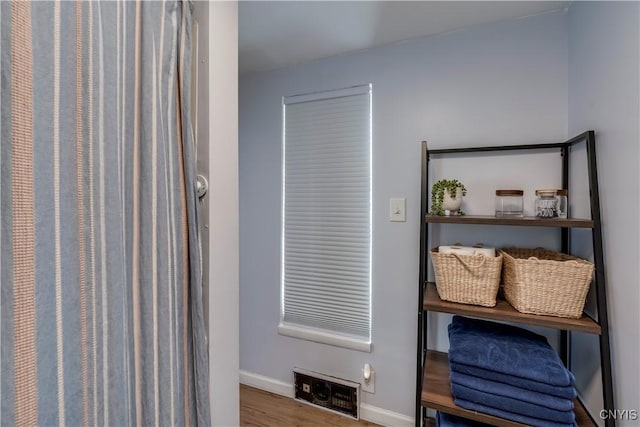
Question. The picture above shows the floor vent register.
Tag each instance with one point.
(326, 392)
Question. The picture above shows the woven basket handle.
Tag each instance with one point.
(484, 259)
(572, 261)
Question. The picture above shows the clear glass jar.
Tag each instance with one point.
(546, 204)
(509, 203)
(563, 203)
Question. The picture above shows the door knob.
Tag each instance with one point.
(202, 186)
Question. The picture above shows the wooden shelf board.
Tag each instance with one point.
(527, 221)
(504, 311)
(436, 394)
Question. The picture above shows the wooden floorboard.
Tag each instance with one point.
(259, 408)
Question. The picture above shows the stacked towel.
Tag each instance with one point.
(509, 372)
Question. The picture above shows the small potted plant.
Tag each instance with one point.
(446, 197)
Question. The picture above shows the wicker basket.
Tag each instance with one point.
(539, 281)
(467, 279)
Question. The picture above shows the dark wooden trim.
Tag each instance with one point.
(504, 311)
(527, 221)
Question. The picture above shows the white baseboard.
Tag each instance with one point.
(266, 383)
(367, 412)
(383, 417)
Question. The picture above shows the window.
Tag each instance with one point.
(326, 217)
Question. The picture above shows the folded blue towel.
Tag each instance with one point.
(565, 392)
(506, 349)
(535, 422)
(448, 420)
(496, 390)
(512, 405)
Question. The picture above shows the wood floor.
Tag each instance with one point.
(263, 409)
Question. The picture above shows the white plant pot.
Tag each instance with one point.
(452, 204)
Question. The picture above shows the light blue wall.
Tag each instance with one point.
(499, 84)
(604, 94)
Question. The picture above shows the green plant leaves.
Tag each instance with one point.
(437, 194)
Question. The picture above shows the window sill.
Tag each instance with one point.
(324, 337)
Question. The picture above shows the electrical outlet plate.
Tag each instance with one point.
(398, 209)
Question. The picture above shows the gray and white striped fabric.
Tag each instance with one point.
(100, 307)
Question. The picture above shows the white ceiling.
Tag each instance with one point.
(276, 34)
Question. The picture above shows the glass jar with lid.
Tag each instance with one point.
(546, 204)
(509, 203)
(563, 203)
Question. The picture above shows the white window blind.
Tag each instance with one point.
(326, 222)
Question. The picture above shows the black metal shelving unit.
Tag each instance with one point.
(432, 382)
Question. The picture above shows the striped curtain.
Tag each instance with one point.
(101, 319)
